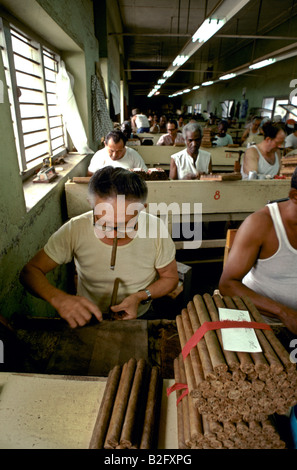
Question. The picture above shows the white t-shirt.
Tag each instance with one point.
(223, 141)
(291, 141)
(130, 160)
(185, 163)
(141, 121)
(136, 262)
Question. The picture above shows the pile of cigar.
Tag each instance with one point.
(206, 138)
(128, 413)
(288, 165)
(238, 388)
(196, 431)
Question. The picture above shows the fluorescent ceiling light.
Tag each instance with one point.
(180, 60)
(228, 76)
(187, 90)
(207, 83)
(168, 73)
(161, 81)
(195, 87)
(208, 28)
(261, 64)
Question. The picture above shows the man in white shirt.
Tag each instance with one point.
(173, 137)
(116, 154)
(191, 162)
(144, 264)
(222, 139)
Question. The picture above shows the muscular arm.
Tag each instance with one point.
(250, 160)
(166, 283)
(243, 255)
(77, 311)
(173, 170)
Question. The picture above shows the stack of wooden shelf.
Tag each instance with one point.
(231, 395)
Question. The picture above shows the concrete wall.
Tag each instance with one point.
(68, 24)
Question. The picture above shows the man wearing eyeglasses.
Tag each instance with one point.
(143, 255)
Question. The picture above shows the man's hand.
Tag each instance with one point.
(76, 310)
(127, 309)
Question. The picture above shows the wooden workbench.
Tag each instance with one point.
(39, 411)
(220, 200)
(223, 158)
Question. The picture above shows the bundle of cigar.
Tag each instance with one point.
(288, 165)
(127, 417)
(196, 431)
(206, 138)
(235, 386)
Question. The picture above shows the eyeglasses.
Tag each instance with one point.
(121, 229)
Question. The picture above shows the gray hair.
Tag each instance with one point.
(192, 127)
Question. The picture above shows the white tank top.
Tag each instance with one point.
(264, 168)
(276, 277)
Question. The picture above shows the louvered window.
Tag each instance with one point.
(31, 74)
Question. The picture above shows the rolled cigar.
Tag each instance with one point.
(120, 404)
(180, 422)
(195, 420)
(187, 362)
(128, 431)
(195, 359)
(103, 418)
(230, 356)
(113, 253)
(114, 294)
(151, 410)
(201, 346)
(275, 343)
(215, 352)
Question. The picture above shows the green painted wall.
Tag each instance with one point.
(22, 233)
(273, 81)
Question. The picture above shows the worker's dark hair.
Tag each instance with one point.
(224, 124)
(116, 136)
(172, 121)
(110, 182)
(294, 179)
(271, 129)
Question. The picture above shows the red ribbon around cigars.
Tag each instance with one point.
(178, 386)
(217, 325)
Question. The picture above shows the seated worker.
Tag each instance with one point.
(127, 131)
(155, 128)
(116, 154)
(252, 131)
(264, 158)
(162, 124)
(173, 137)
(291, 140)
(145, 257)
(191, 162)
(262, 263)
(139, 121)
(222, 139)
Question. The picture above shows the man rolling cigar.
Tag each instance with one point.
(262, 263)
(142, 260)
